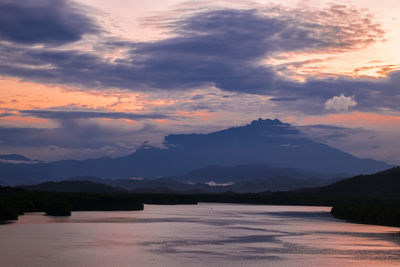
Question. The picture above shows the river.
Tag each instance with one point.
(198, 235)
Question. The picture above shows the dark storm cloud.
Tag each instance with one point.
(220, 48)
(283, 99)
(62, 115)
(43, 22)
(197, 97)
(6, 114)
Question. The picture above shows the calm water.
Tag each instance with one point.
(198, 235)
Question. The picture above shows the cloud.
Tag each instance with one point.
(52, 22)
(283, 99)
(359, 141)
(6, 114)
(373, 94)
(331, 134)
(81, 134)
(63, 115)
(78, 139)
(340, 103)
(219, 48)
(197, 97)
(359, 119)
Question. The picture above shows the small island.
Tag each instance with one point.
(17, 201)
(58, 208)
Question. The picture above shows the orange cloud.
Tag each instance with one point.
(17, 95)
(355, 119)
(15, 121)
(161, 121)
(28, 95)
(200, 114)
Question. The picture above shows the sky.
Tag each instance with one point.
(91, 78)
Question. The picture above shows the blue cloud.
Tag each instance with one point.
(43, 22)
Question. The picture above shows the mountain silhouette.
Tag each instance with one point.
(260, 142)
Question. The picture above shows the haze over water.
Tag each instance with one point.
(198, 235)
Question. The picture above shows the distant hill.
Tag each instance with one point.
(224, 174)
(255, 178)
(218, 179)
(73, 186)
(381, 185)
(147, 185)
(268, 142)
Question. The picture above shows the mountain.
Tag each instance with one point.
(260, 142)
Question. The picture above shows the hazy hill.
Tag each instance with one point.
(251, 184)
(260, 142)
(162, 185)
(255, 178)
(224, 174)
(73, 186)
(381, 185)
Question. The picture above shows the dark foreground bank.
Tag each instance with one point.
(14, 202)
(17, 201)
(369, 212)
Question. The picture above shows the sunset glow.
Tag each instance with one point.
(139, 70)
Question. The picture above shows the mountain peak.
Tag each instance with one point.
(247, 133)
(268, 126)
(269, 122)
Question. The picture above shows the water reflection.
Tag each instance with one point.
(206, 234)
